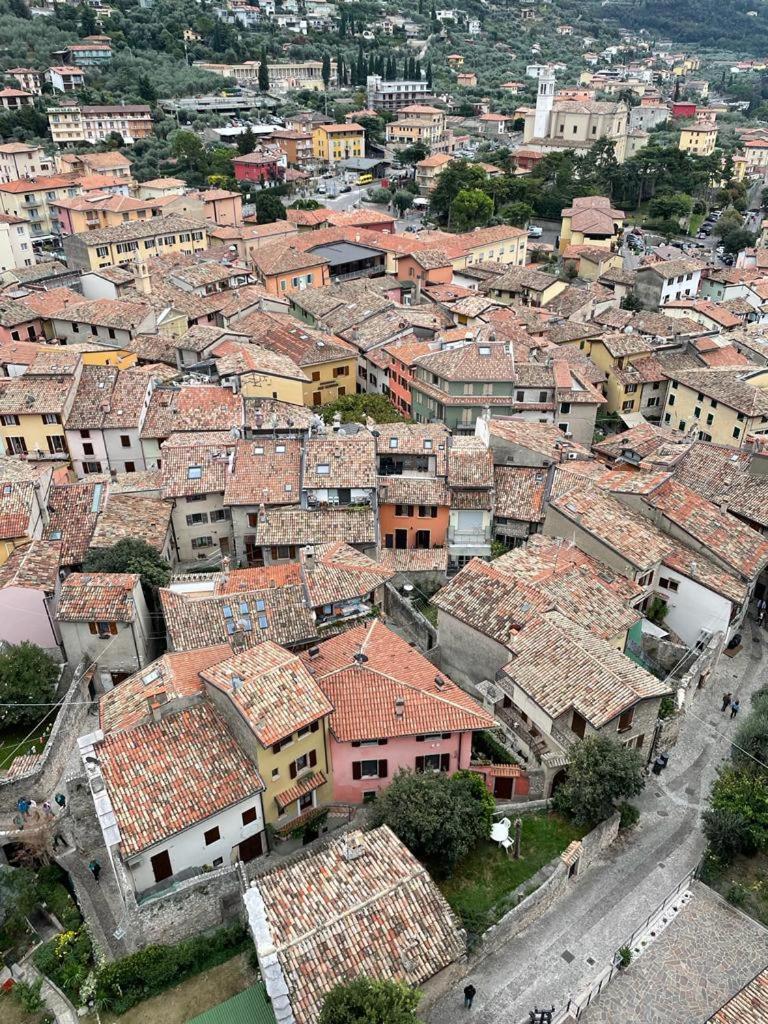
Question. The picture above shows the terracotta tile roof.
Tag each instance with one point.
(641, 441)
(721, 474)
(748, 1006)
(196, 463)
(98, 597)
(561, 665)
(17, 499)
(667, 269)
(350, 458)
(317, 526)
(337, 572)
(134, 517)
(543, 438)
(280, 258)
(275, 613)
(159, 784)
(138, 229)
(306, 346)
(364, 695)
(237, 358)
(168, 678)
(414, 560)
(306, 785)
(276, 574)
(470, 464)
(73, 515)
(29, 395)
(269, 414)
(466, 363)
(193, 408)
(19, 353)
(741, 548)
(520, 493)
(403, 928)
(730, 387)
(264, 472)
(272, 690)
(22, 764)
(413, 490)
(34, 566)
(53, 301)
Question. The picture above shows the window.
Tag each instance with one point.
(627, 406)
(220, 514)
(194, 473)
(671, 400)
(631, 389)
(10, 421)
(578, 725)
(87, 448)
(519, 396)
(668, 584)
(202, 542)
(303, 762)
(625, 720)
(737, 432)
(341, 371)
(212, 836)
(681, 425)
(433, 763)
(315, 375)
(56, 444)
(190, 497)
(403, 510)
(323, 469)
(125, 441)
(645, 579)
(130, 467)
(740, 417)
(51, 417)
(542, 396)
(249, 815)
(196, 518)
(103, 629)
(710, 419)
(565, 408)
(369, 769)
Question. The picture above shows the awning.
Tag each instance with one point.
(289, 796)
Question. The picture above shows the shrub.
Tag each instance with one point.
(727, 832)
(67, 960)
(629, 815)
(737, 895)
(667, 707)
(57, 897)
(486, 743)
(124, 983)
(365, 1001)
(379, 195)
(625, 956)
(29, 996)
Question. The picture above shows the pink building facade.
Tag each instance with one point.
(25, 614)
(360, 771)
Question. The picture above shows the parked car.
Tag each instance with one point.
(534, 231)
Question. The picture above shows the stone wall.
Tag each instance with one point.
(71, 722)
(551, 889)
(402, 612)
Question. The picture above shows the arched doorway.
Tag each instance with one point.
(557, 780)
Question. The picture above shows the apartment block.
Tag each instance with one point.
(73, 124)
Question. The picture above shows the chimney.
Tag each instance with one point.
(155, 704)
(399, 707)
(352, 847)
(309, 557)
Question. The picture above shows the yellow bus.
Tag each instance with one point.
(364, 179)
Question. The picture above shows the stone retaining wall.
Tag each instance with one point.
(402, 612)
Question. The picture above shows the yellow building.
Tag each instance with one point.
(81, 213)
(724, 406)
(111, 247)
(615, 355)
(33, 409)
(700, 139)
(329, 364)
(335, 142)
(268, 695)
(24, 491)
(591, 221)
(33, 200)
(429, 170)
(260, 372)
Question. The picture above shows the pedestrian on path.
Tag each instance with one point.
(95, 868)
(469, 994)
(726, 701)
(735, 705)
(761, 609)
(48, 810)
(61, 800)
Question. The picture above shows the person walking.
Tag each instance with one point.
(469, 994)
(61, 800)
(735, 705)
(95, 868)
(726, 701)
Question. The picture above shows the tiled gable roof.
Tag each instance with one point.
(470, 464)
(159, 784)
(350, 458)
(338, 572)
(264, 472)
(272, 690)
(413, 490)
(169, 678)
(728, 386)
(520, 493)
(190, 409)
(561, 665)
(34, 566)
(133, 516)
(317, 526)
(242, 620)
(196, 463)
(542, 438)
(364, 695)
(98, 597)
(303, 914)
(73, 514)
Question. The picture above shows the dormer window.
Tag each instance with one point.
(427, 445)
(194, 473)
(323, 469)
(393, 442)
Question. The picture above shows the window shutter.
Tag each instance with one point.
(113, 628)
(356, 773)
(419, 764)
(445, 762)
(382, 769)
(312, 758)
(276, 748)
(293, 769)
(383, 741)
(93, 627)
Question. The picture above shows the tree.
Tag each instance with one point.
(146, 89)
(356, 408)
(516, 214)
(268, 208)
(740, 792)
(19, 9)
(326, 70)
(246, 143)
(672, 207)
(429, 75)
(28, 676)
(263, 71)
(601, 774)
(131, 555)
(440, 818)
(402, 201)
(737, 239)
(412, 154)
(88, 24)
(18, 896)
(365, 1001)
(457, 176)
(306, 204)
(470, 209)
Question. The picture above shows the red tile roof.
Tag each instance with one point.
(98, 597)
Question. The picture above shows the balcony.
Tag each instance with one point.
(343, 612)
(469, 538)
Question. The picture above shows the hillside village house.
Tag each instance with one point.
(21, 160)
(723, 406)
(667, 281)
(71, 124)
(104, 618)
(111, 247)
(24, 503)
(29, 584)
(592, 221)
(332, 143)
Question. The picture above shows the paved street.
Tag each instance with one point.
(608, 902)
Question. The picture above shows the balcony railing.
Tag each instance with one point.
(469, 538)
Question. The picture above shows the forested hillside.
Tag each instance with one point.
(722, 25)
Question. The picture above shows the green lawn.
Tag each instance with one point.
(478, 888)
(743, 883)
(10, 740)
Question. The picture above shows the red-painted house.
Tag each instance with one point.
(259, 168)
(683, 110)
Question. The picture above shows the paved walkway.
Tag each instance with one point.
(55, 1000)
(565, 949)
